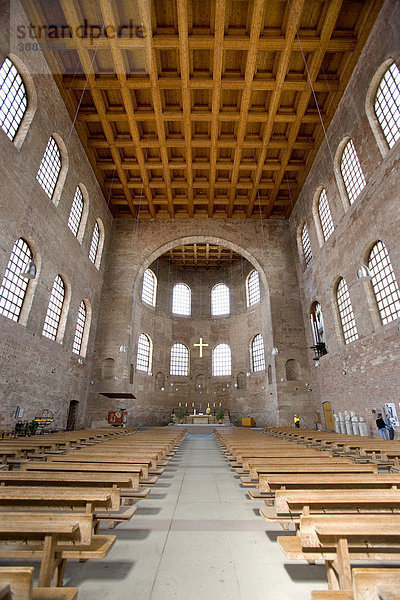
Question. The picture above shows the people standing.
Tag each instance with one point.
(381, 425)
(389, 426)
(296, 420)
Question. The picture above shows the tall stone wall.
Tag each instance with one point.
(37, 373)
(363, 375)
(123, 317)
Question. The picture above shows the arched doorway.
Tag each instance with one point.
(328, 416)
(72, 412)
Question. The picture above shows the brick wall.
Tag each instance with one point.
(37, 373)
(363, 375)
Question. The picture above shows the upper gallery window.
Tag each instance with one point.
(13, 287)
(50, 167)
(253, 288)
(220, 300)
(13, 99)
(257, 353)
(94, 245)
(387, 104)
(80, 328)
(325, 215)
(347, 319)
(221, 360)
(179, 363)
(384, 283)
(350, 168)
(54, 309)
(75, 215)
(143, 360)
(305, 242)
(149, 287)
(181, 299)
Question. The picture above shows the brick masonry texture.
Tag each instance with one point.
(119, 316)
(372, 362)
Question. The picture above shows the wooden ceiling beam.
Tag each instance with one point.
(109, 17)
(182, 7)
(255, 31)
(295, 10)
(156, 98)
(216, 96)
(312, 73)
(87, 64)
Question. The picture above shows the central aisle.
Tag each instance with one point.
(196, 537)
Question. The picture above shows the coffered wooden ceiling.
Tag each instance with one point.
(217, 110)
(201, 256)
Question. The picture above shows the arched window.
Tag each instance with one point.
(13, 99)
(80, 328)
(349, 327)
(181, 299)
(94, 244)
(257, 353)
(149, 287)
(221, 360)
(305, 242)
(179, 363)
(325, 215)
(50, 167)
(143, 360)
(384, 283)
(387, 104)
(75, 215)
(318, 329)
(350, 169)
(54, 309)
(220, 300)
(253, 288)
(13, 287)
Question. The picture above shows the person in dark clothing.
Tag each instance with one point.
(381, 425)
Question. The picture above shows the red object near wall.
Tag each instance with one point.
(117, 417)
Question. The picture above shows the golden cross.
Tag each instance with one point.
(201, 346)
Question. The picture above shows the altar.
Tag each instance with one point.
(200, 419)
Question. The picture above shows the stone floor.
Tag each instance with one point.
(197, 536)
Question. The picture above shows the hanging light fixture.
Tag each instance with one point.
(274, 351)
(363, 272)
(30, 270)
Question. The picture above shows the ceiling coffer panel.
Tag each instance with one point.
(202, 108)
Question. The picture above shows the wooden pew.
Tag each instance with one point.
(253, 466)
(339, 539)
(306, 481)
(368, 584)
(288, 467)
(107, 457)
(53, 537)
(291, 504)
(20, 583)
(95, 467)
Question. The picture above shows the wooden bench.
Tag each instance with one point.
(368, 584)
(94, 467)
(339, 539)
(291, 504)
(105, 504)
(20, 583)
(270, 483)
(53, 537)
(290, 468)
(107, 457)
